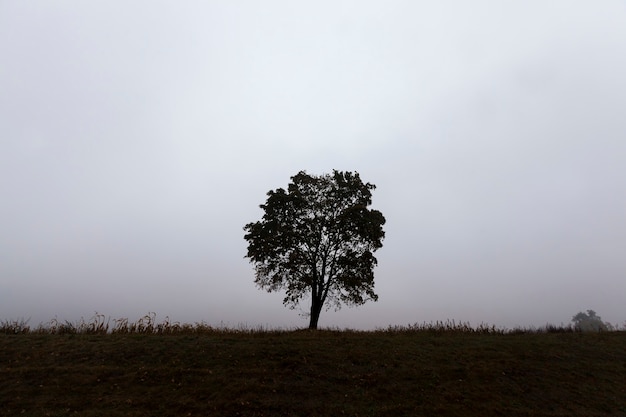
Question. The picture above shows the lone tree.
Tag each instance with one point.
(590, 322)
(317, 238)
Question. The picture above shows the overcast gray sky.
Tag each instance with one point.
(137, 138)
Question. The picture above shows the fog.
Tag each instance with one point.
(138, 138)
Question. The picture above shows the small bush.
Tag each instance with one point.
(590, 322)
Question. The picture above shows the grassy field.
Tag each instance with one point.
(428, 371)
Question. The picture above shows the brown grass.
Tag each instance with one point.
(403, 371)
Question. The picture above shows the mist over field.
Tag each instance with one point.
(137, 139)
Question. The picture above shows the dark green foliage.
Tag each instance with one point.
(318, 238)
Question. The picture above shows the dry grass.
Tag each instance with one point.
(100, 324)
(107, 368)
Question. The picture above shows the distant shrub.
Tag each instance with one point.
(590, 322)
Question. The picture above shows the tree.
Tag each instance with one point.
(317, 238)
(590, 322)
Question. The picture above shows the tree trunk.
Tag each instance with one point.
(316, 309)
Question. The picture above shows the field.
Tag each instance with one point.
(421, 371)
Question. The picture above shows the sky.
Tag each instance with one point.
(138, 138)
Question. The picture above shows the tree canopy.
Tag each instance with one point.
(318, 239)
(590, 322)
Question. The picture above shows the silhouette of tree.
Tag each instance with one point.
(589, 322)
(317, 238)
